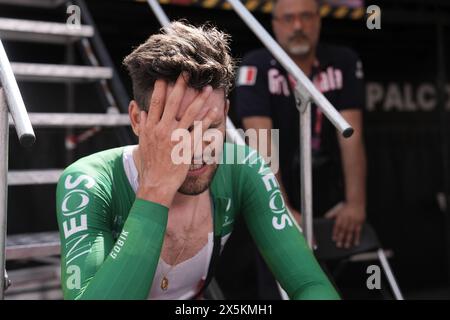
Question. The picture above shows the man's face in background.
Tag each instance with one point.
(296, 25)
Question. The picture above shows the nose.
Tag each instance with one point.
(298, 24)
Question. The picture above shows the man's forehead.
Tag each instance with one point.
(295, 5)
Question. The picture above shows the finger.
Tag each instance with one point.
(175, 98)
(340, 232)
(337, 227)
(348, 236)
(143, 118)
(194, 108)
(197, 133)
(333, 212)
(157, 101)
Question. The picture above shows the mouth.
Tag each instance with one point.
(195, 167)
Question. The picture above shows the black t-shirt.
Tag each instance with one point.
(264, 88)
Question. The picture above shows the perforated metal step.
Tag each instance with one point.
(80, 120)
(32, 245)
(40, 31)
(56, 73)
(33, 177)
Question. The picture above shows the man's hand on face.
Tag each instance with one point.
(349, 220)
(159, 176)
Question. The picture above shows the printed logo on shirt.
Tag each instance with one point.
(74, 210)
(278, 84)
(328, 80)
(227, 222)
(280, 216)
(247, 76)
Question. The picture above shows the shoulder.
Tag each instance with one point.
(95, 169)
(334, 54)
(259, 57)
(241, 162)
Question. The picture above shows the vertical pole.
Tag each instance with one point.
(389, 275)
(4, 133)
(70, 103)
(305, 168)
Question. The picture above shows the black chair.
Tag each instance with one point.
(368, 249)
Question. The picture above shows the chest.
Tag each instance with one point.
(187, 232)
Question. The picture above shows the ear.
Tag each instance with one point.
(134, 113)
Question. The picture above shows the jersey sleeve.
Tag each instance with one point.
(277, 235)
(95, 263)
(252, 96)
(352, 95)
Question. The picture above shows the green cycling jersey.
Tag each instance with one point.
(111, 241)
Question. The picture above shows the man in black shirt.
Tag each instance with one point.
(265, 100)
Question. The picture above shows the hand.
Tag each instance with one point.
(349, 219)
(159, 176)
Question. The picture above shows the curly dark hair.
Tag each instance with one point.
(202, 52)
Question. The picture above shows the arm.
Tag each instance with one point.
(93, 265)
(278, 238)
(265, 123)
(351, 215)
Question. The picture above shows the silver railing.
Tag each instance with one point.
(10, 100)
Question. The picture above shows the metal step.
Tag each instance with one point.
(41, 31)
(33, 177)
(34, 3)
(32, 245)
(59, 73)
(35, 283)
(79, 120)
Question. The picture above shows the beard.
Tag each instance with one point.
(299, 44)
(300, 50)
(195, 185)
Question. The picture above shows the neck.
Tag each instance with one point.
(185, 200)
(305, 63)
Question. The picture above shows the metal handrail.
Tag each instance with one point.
(15, 102)
(10, 100)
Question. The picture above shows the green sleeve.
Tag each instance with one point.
(94, 263)
(277, 235)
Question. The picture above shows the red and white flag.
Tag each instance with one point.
(247, 76)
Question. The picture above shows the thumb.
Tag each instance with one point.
(333, 212)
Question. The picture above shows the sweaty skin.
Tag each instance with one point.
(111, 241)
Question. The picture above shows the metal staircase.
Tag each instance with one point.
(99, 70)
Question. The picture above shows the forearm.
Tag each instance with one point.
(354, 160)
(354, 170)
(128, 269)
